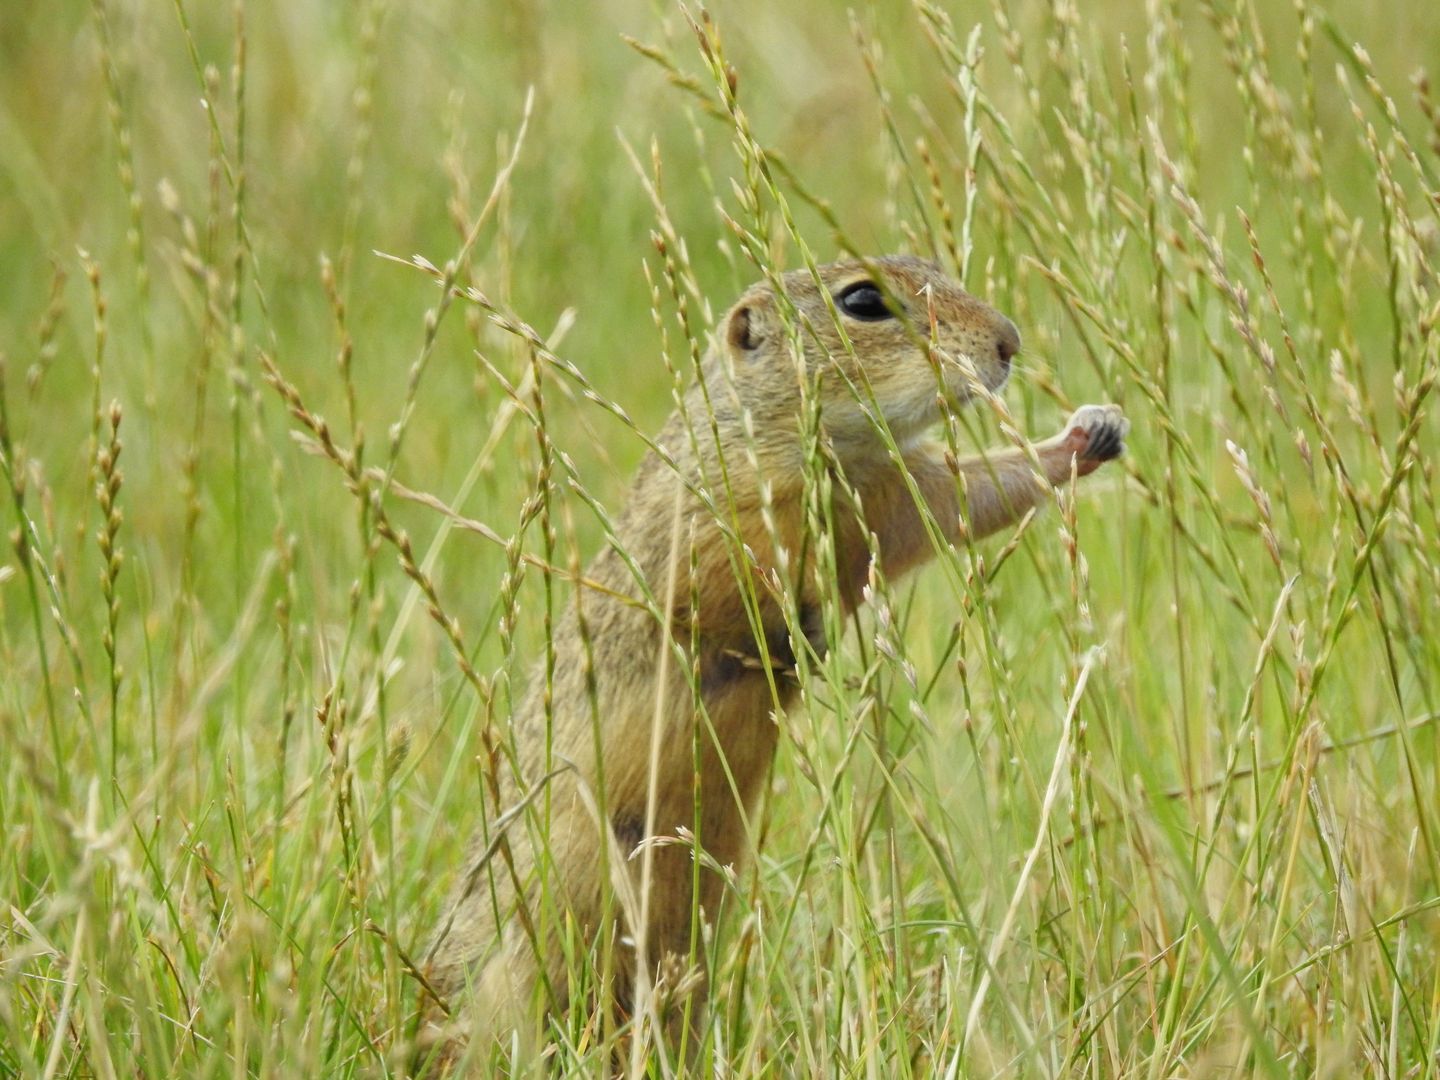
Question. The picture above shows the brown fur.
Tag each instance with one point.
(743, 677)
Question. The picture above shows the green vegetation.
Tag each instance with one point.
(1148, 789)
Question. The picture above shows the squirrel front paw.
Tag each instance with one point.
(1093, 435)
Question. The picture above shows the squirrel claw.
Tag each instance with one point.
(1096, 434)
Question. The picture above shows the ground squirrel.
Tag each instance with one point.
(713, 535)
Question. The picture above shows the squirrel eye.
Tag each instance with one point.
(863, 301)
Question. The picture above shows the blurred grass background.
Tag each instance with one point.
(225, 845)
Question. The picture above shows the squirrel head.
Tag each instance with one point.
(892, 334)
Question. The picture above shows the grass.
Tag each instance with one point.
(1146, 789)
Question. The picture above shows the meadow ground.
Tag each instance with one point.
(1146, 789)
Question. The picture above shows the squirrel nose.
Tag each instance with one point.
(1008, 343)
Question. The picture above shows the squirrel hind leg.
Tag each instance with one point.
(492, 1016)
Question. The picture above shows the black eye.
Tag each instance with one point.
(863, 301)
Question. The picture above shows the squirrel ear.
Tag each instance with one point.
(747, 327)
